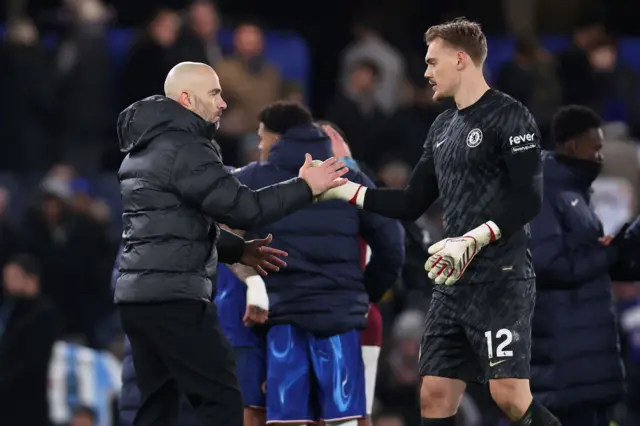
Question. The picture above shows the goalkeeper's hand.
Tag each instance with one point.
(350, 192)
(451, 256)
(257, 311)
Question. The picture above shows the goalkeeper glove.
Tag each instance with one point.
(451, 256)
(257, 301)
(350, 192)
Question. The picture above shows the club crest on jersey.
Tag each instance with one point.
(474, 138)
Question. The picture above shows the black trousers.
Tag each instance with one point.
(587, 415)
(179, 347)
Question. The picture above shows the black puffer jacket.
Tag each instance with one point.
(175, 190)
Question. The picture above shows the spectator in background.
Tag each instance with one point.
(627, 296)
(83, 383)
(576, 366)
(615, 85)
(198, 40)
(357, 112)
(250, 83)
(531, 78)
(83, 72)
(28, 329)
(292, 92)
(574, 69)
(414, 290)
(10, 238)
(389, 419)
(369, 45)
(151, 57)
(27, 101)
(398, 376)
(84, 416)
(408, 127)
(73, 250)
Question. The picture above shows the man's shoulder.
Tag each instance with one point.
(507, 107)
(247, 169)
(444, 117)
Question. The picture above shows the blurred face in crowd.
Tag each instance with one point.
(164, 28)
(22, 32)
(389, 421)
(587, 146)
(4, 200)
(52, 208)
(204, 19)
(395, 175)
(267, 140)
(603, 58)
(362, 79)
(62, 172)
(444, 68)
(248, 41)
(82, 420)
(17, 282)
(586, 36)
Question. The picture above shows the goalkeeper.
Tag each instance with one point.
(482, 158)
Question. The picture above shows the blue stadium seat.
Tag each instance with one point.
(501, 50)
(630, 52)
(120, 40)
(288, 52)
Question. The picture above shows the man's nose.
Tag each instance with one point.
(223, 104)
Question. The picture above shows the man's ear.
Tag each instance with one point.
(185, 99)
(461, 57)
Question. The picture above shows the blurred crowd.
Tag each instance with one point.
(59, 198)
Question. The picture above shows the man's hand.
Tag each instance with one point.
(338, 145)
(451, 256)
(257, 302)
(263, 258)
(349, 192)
(327, 175)
(606, 240)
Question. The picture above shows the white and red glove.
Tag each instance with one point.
(352, 193)
(451, 256)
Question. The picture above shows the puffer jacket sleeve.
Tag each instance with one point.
(200, 177)
(230, 247)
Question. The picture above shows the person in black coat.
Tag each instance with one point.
(175, 194)
(28, 330)
(576, 366)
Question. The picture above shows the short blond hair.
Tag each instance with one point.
(462, 34)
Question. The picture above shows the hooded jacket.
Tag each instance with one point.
(575, 356)
(175, 190)
(324, 289)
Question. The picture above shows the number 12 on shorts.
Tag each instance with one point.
(505, 336)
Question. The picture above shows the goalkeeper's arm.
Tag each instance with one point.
(404, 204)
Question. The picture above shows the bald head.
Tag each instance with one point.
(196, 87)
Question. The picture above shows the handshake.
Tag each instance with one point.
(325, 178)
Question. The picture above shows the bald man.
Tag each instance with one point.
(175, 193)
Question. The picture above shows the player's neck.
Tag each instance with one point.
(470, 91)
